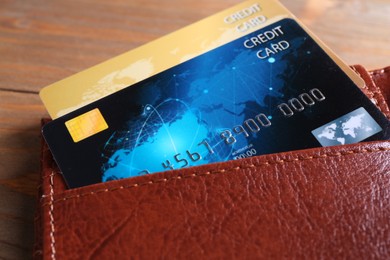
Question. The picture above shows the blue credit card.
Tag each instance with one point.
(271, 91)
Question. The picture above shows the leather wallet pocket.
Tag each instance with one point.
(327, 198)
(317, 203)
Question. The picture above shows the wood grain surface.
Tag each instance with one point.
(44, 41)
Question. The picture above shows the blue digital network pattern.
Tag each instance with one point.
(263, 93)
(193, 104)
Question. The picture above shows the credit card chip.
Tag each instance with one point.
(86, 125)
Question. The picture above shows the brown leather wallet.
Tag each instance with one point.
(331, 202)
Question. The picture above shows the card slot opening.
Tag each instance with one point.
(272, 160)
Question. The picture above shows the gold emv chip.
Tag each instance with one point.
(86, 125)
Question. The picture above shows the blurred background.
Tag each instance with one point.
(44, 41)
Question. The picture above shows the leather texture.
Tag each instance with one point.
(381, 77)
(331, 202)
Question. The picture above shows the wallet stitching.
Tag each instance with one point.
(381, 71)
(378, 94)
(242, 167)
(51, 215)
(377, 72)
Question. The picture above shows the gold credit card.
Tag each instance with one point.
(85, 87)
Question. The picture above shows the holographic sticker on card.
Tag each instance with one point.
(347, 129)
(263, 93)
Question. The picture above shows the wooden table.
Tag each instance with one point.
(44, 41)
